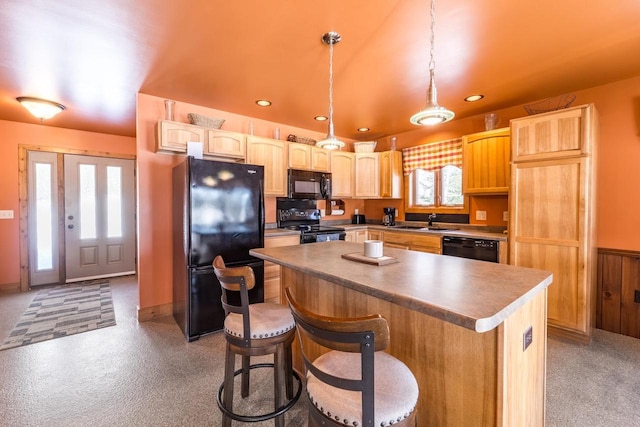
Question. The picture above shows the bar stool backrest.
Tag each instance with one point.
(237, 279)
(363, 335)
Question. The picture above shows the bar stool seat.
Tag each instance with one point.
(255, 330)
(395, 390)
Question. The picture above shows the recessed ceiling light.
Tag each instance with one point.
(474, 98)
(263, 102)
(363, 129)
(320, 118)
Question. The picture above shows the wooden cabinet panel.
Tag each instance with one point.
(308, 157)
(342, 174)
(415, 242)
(320, 160)
(552, 135)
(375, 235)
(367, 182)
(299, 156)
(486, 167)
(225, 144)
(552, 212)
(391, 174)
(272, 154)
(272, 289)
(618, 282)
(356, 236)
(173, 136)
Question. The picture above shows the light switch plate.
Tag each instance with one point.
(481, 215)
(6, 214)
(505, 215)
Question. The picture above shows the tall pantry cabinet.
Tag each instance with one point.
(552, 212)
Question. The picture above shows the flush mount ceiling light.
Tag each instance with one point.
(330, 142)
(363, 129)
(320, 118)
(263, 102)
(40, 108)
(432, 114)
(474, 98)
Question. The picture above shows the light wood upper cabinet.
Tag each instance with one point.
(391, 174)
(225, 144)
(272, 154)
(173, 136)
(552, 213)
(486, 167)
(551, 135)
(342, 174)
(308, 157)
(367, 182)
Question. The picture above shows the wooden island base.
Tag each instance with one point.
(466, 378)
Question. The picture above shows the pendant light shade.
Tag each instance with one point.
(330, 142)
(41, 108)
(433, 113)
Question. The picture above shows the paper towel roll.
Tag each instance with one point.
(373, 248)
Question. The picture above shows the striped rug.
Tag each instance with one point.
(63, 310)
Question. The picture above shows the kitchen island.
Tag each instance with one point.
(461, 326)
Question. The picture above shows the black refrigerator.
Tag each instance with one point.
(218, 209)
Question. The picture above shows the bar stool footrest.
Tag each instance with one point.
(257, 418)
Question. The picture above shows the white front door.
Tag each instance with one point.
(99, 217)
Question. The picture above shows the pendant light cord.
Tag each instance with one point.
(331, 85)
(432, 61)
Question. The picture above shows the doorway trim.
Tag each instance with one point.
(24, 205)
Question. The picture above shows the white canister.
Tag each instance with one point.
(373, 248)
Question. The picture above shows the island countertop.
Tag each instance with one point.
(476, 295)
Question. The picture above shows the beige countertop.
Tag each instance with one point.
(473, 294)
(272, 232)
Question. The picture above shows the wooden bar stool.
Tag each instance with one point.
(255, 330)
(355, 384)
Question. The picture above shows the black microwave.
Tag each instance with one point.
(309, 185)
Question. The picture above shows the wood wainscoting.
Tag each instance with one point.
(618, 301)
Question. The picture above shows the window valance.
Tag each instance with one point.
(432, 156)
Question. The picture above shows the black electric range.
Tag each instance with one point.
(303, 215)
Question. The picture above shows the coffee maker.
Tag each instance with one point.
(389, 217)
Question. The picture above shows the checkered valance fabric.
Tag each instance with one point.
(432, 156)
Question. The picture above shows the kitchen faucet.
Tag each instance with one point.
(431, 217)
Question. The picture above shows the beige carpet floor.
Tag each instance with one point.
(146, 374)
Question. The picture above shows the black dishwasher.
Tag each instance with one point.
(468, 247)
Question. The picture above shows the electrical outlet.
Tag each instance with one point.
(505, 216)
(322, 212)
(6, 214)
(481, 215)
(527, 338)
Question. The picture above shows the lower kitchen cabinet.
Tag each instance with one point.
(430, 244)
(272, 271)
(356, 236)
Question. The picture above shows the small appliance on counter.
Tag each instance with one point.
(358, 218)
(389, 216)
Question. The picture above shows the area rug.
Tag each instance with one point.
(63, 310)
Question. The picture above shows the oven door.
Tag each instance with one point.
(309, 185)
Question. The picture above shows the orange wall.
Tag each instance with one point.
(13, 134)
(154, 195)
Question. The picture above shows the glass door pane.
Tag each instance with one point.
(114, 201)
(87, 181)
(44, 220)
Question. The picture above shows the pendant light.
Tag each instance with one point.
(432, 114)
(40, 108)
(330, 142)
